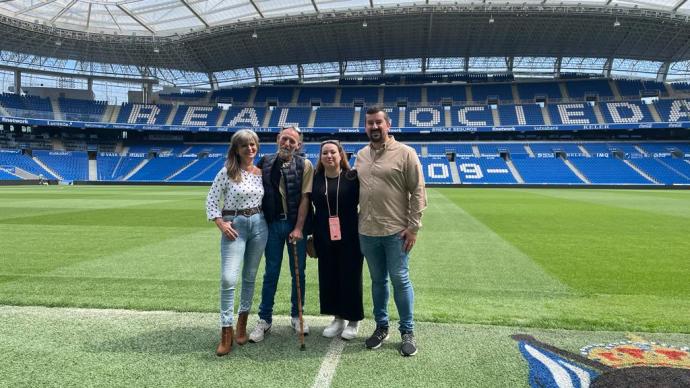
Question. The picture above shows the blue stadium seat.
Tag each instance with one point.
(520, 114)
(608, 171)
(545, 171)
(425, 117)
(626, 112)
(530, 90)
(436, 170)
(82, 110)
(201, 116)
(573, 113)
(159, 169)
(283, 95)
(474, 170)
(436, 94)
(480, 92)
(581, 88)
(234, 95)
(14, 159)
(673, 110)
(440, 149)
(334, 117)
(325, 94)
(200, 170)
(392, 94)
(472, 116)
(286, 116)
(660, 171)
(144, 114)
(70, 165)
(244, 117)
(370, 95)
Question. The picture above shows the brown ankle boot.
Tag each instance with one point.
(225, 345)
(241, 336)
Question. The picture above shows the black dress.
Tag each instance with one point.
(340, 262)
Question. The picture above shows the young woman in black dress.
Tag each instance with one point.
(335, 197)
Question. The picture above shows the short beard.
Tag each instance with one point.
(285, 154)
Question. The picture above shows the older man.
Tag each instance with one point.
(287, 179)
(391, 200)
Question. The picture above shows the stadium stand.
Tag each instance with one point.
(472, 116)
(480, 93)
(545, 171)
(391, 95)
(82, 110)
(289, 116)
(520, 114)
(425, 117)
(196, 115)
(369, 95)
(436, 94)
(673, 110)
(436, 170)
(27, 106)
(321, 94)
(15, 159)
(202, 168)
(144, 113)
(71, 166)
(608, 171)
(660, 171)
(626, 112)
(596, 87)
(281, 95)
(573, 113)
(7, 175)
(234, 95)
(159, 169)
(250, 117)
(532, 90)
(474, 170)
(334, 117)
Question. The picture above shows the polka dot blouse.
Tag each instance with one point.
(244, 194)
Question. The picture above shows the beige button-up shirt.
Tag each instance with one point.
(391, 192)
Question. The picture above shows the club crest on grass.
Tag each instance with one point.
(632, 363)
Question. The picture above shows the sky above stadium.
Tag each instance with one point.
(167, 17)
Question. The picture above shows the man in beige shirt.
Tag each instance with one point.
(391, 200)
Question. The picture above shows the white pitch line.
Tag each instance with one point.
(329, 364)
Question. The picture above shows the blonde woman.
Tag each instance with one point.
(243, 232)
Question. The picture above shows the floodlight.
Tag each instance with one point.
(364, 24)
(255, 35)
(616, 23)
(491, 19)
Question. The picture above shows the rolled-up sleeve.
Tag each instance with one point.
(415, 186)
(215, 194)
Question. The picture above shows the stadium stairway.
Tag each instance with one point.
(583, 150)
(3, 111)
(639, 171)
(597, 113)
(454, 173)
(176, 173)
(312, 118)
(93, 170)
(135, 169)
(641, 151)
(221, 117)
(496, 117)
(654, 113)
(615, 90)
(172, 114)
(514, 171)
(57, 112)
(113, 114)
(545, 115)
(45, 167)
(576, 171)
(564, 91)
(529, 151)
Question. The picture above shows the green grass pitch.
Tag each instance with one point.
(572, 266)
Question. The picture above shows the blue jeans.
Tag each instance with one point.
(386, 257)
(246, 248)
(278, 232)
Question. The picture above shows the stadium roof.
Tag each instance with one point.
(218, 35)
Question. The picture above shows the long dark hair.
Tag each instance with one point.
(344, 163)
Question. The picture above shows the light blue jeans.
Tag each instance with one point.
(277, 239)
(386, 257)
(245, 251)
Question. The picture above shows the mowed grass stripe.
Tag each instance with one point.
(665, 203)
(66, 347)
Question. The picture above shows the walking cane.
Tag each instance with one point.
(299, 297)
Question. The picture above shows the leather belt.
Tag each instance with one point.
(242, 212)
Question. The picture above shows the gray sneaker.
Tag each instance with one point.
(409, 345)
(257, 335)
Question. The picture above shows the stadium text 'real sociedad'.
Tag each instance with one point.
(336, 130)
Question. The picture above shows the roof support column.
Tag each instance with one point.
(257, 75)
(300, 73)
(341, 68)
(509, 64)
(213, 81)
(17, 82)
(89, 84)
(607, 67)
(557, 67)
(467, 65)
(383, 66)
(147, 91)
(663, 71)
